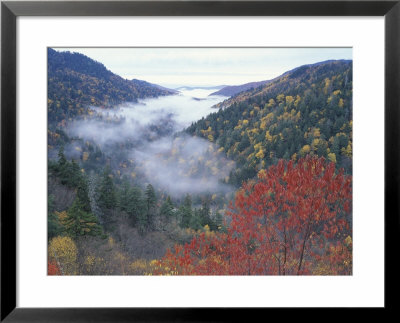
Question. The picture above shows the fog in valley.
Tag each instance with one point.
(144, 141)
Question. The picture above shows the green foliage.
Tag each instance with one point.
(106, 197)
(79, 223)
(54, 227)
(151, 198)
(307, 111)
(186, 212)
(130, 200)
(68, 172)
(166, 209)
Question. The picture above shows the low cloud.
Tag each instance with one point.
(144, 132)
(185, 165)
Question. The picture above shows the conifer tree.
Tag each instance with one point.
(166, 209)
(79, 222)
(106, 191)
(186, 212)
(151, 200)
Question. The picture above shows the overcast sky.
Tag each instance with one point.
(174, 67)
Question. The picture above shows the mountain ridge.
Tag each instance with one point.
(232, 90)
(76, 82)
(307, 110)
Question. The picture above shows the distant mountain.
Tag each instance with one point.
(144, 84)
(307, 110)
(200, 87)
(231, 90)
(75, 82)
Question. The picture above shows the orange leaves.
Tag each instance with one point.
(52, 268)
(288, 222)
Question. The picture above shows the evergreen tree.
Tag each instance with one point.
(166, 209)
(186, 212)
(151, 200)
(79, 222)
(123, 196)
(83, 194)
(219, 221)
(54, 227)
(62, 160)
(195, 222)
(106, 191)
(205, 218)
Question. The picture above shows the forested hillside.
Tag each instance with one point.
(75, 82)
(305, 111)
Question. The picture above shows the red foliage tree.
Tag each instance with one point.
(52, 268)
(293, 220)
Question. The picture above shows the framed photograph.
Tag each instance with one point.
(197, 157)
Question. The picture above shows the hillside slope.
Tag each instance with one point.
(75, 81)
(305, 111)
(232, 90)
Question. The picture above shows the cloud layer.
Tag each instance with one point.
(144, 133)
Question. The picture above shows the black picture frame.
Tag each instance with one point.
(10, 10)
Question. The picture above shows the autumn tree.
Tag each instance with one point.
(63, 254)
(288, 221)
(52, 268)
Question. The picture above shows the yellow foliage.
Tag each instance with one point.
(327, 84)
(348, 151)
(271, 103)
(257, 146)
(261, 174)
(296, 103)
(332, 157)
(260, 154)
(305, 150)
(316, 133)
(268, 136)
(85, 156)
(64, 251)
(315, 143)
(348, 241)
(62, 216)
(140, 266)
(289, 99)
(90, 260)
(280, 98)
